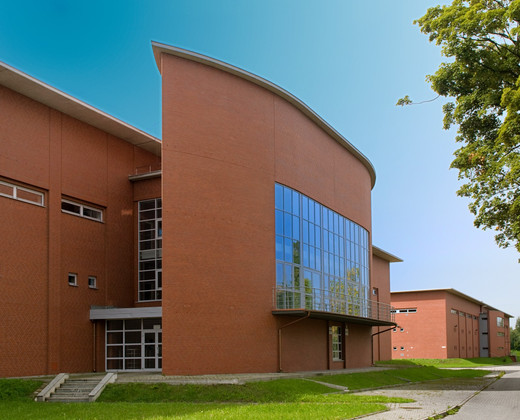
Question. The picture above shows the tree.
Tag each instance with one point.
(515, 336)
(482, 77)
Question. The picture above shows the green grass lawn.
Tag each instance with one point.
(450, 363)
(398, 377)
(279, 399)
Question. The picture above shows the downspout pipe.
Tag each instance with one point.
(381, 332)
(280, 338)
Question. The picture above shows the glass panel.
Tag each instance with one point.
(6, 190)
(133, 337)
(287, 226)
(279, 248)
(33, 197)
(115, 324)
(133, 351)
(305, 207)
(115, 338)
(133, 324)
(146, 205)
(92, 213)
(288, 276)
(278, 196)
(296, 252)
(71, 208)
(288, 250)
(296, 227)
(132, 364)
(152, 323)
(279, 274)
(149, 363)
(115, 364)
(114, 351)
(296, 203)
(287, 200)
(279, 222)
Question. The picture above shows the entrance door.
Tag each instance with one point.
(152, 349)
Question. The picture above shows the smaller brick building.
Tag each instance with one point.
(445, 323)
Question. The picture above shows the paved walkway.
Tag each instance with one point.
(239, 378)
(501, 400)
(480, 398)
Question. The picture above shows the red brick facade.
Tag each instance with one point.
(227, 140)
(444, 323)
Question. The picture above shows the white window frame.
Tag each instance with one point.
(92, 284)
(15, 196)
(75, 277)
(82, 208)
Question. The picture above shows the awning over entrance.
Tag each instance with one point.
(97, 313)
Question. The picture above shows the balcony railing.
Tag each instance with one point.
(331, 301)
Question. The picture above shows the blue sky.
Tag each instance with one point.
(348, 60)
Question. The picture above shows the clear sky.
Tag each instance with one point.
(349, 60)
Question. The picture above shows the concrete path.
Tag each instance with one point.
(501, 400)
(431, 398)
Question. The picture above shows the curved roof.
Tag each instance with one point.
(159, 48)
(41, 92)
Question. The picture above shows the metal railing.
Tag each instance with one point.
(140, 170)
(333, 301)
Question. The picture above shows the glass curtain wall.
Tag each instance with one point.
(150, 250)
(322, 258)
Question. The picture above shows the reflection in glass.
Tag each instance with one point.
(332, 252)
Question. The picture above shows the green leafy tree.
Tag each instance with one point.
(480, 38)
(515, 336)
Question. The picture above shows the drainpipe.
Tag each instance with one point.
(94, 346)
(280, 338)
(378, 347)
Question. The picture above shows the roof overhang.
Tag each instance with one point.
(159, 49)
(332, 316)
(125, 313)
(378, 252)
(56, 99)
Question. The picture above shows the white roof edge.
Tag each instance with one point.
(159, 48)
(39, 91)
(385, 255)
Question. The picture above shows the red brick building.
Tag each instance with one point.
(444, 323)
(266, 263)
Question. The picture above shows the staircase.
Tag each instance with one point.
(74, 390)
(77, 389)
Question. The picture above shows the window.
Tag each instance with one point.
(81, 210)
(402, 348)
(453, 312)
(73, 279)
(394, 348)
(133, 344)
(405, 311)
(401, 329)
(26, 195)
(322, 258)
(150, 250)
(92, 282)
(500, 334)
(337, 343)
(500, 321)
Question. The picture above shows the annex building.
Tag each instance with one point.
(445, 323)
(241, 242)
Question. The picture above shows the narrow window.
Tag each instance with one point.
(500, 321)
(92, 282)
(81, 210)
(337, 344)
(16, 192)
(73, 279)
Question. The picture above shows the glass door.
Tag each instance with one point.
(152, 349)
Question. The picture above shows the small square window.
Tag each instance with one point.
(73, 279)
(92, 282)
